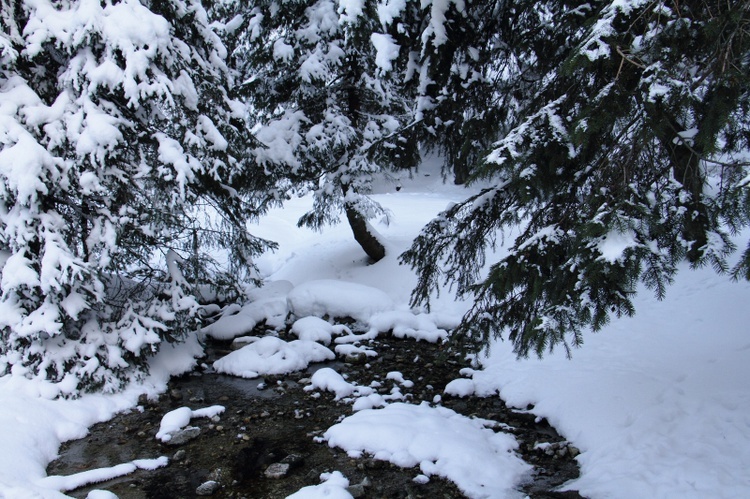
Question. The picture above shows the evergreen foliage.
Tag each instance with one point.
(124, 161)
(627, 156)
(321, 78)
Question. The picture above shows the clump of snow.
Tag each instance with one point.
(438, 440)
(329, 380)
(179, 418)
(271, 355)
(399, 378)
(316, 329)
(334, 298)
(347, 350)
(461, 387)
(405, 324)
(613, 245)
(333, 487)
(374, 400)
(352, 338)
(386, 50)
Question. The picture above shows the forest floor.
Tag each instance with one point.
(274, 420)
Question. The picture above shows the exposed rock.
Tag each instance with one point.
(277, 470)
(179, 455)
(207, 488)
(183, 436)
(356, 358)
(358, 490)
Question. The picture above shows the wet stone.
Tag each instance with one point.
(181, 437)
(277, 470)
(207, 488)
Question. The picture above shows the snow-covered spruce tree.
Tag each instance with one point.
(632, 158)
(124, 158)
(457, 51)
(321, 77)
(480, 63)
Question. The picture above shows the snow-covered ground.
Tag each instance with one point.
(658, 404)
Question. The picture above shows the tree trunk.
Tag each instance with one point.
(363, 232)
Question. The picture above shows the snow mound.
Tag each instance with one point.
(268, 303)
(338, 299)
(348, 350)
(271, 355)
(177, 419)
(438, 440)
(405, 324)
(333, 487)
(313, 328)
(461, 387)
(328, 379)
(78, 480)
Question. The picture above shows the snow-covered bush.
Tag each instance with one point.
(123, 156)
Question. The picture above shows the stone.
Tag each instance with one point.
(277, 470)
(356, 358)
(207, 488)
(179, 455)
(183, 436)
(356, 491)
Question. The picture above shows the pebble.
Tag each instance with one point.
(179, 455)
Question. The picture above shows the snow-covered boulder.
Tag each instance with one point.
(405, 324)
(271, 355)
(316, 329)
(268, 303)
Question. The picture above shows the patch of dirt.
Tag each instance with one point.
(273, 420)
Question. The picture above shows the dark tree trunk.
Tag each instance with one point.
(362, 233)
(369, 242)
